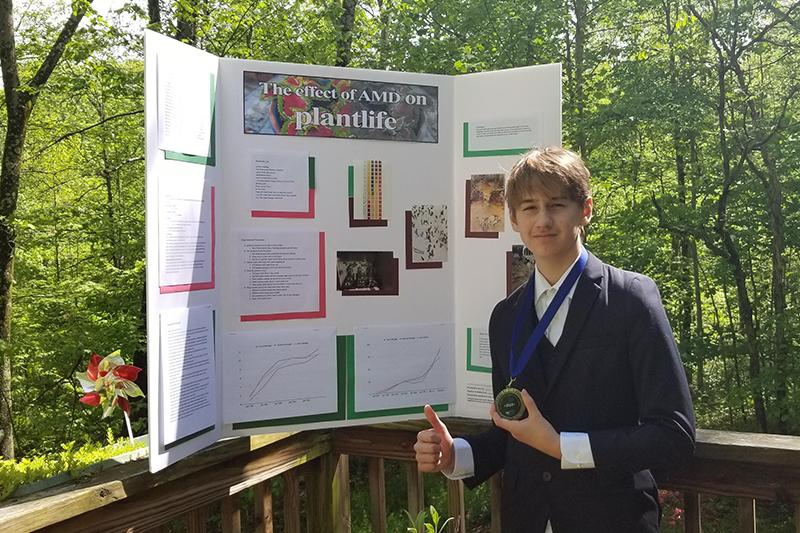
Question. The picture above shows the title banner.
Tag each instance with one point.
(284, 104)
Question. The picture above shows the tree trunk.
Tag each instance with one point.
(19, 104)
(344, 40)
(154, 13)
(186, 21)
(774, 200)
(383, 8)
(581, 16)
(9, 190)
(730, 251)
(698, 295)
(732, 51)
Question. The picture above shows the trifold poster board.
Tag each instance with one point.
(325, 245)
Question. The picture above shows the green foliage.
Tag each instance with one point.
(69, 460)
(675, 128)
(419, 524)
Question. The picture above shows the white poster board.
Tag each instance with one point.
(356, 241)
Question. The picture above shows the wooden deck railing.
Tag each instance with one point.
(315, 495)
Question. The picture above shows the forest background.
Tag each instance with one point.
(687, 113)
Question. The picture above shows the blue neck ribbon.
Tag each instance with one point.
(517, 364)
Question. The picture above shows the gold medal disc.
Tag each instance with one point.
(509, 404)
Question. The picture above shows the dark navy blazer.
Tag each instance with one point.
(615, 374)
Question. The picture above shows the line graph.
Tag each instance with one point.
(280, 374)
(279, 365)
(403, 366)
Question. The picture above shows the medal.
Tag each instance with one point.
(508, 401)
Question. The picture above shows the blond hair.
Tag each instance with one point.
(553, 169)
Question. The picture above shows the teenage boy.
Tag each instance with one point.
(604, 392)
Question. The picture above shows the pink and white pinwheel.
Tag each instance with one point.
(109, 382)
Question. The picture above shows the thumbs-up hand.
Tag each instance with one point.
(434, 447)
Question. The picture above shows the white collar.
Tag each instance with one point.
(541, 284)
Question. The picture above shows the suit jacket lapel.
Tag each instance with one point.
(586, 293)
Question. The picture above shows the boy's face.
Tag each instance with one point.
(550, 226)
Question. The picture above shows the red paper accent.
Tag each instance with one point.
(289, 214)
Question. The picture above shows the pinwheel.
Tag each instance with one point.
(109, 382)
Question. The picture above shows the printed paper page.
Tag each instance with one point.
(403, 366)
(279, 182)
(279, 272)
(520, 133)
(279, 374)
(188, 374)
(185, 104)
(185, 231)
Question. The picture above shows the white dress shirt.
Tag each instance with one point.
(576, 451)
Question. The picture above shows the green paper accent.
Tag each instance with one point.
(470, 366)
(350, 186)
(341, 385)
(312, 175)
(187, 438)
(211, 159)
(351, 393)
(487, 153)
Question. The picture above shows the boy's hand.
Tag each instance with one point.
(535, 430)
(434, 447)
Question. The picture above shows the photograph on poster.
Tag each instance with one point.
(426, 236)
(403, 366)
(519, 267)
(486, 204)
(185, 235)
(280, 373)
(285, 104)
(366, 181)
(281, 185)
(281, 275)
(367, 273)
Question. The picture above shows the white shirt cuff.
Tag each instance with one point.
(576, 451)
(463, 461)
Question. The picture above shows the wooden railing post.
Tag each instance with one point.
(291, 501)
(455, 500)
(377, 494)
(747, 515)
(319, 491)
(691, 512)
(196, 520)
(262, 502)
(414, 489)
(341, 495)
(231, 514)
(496, 488)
